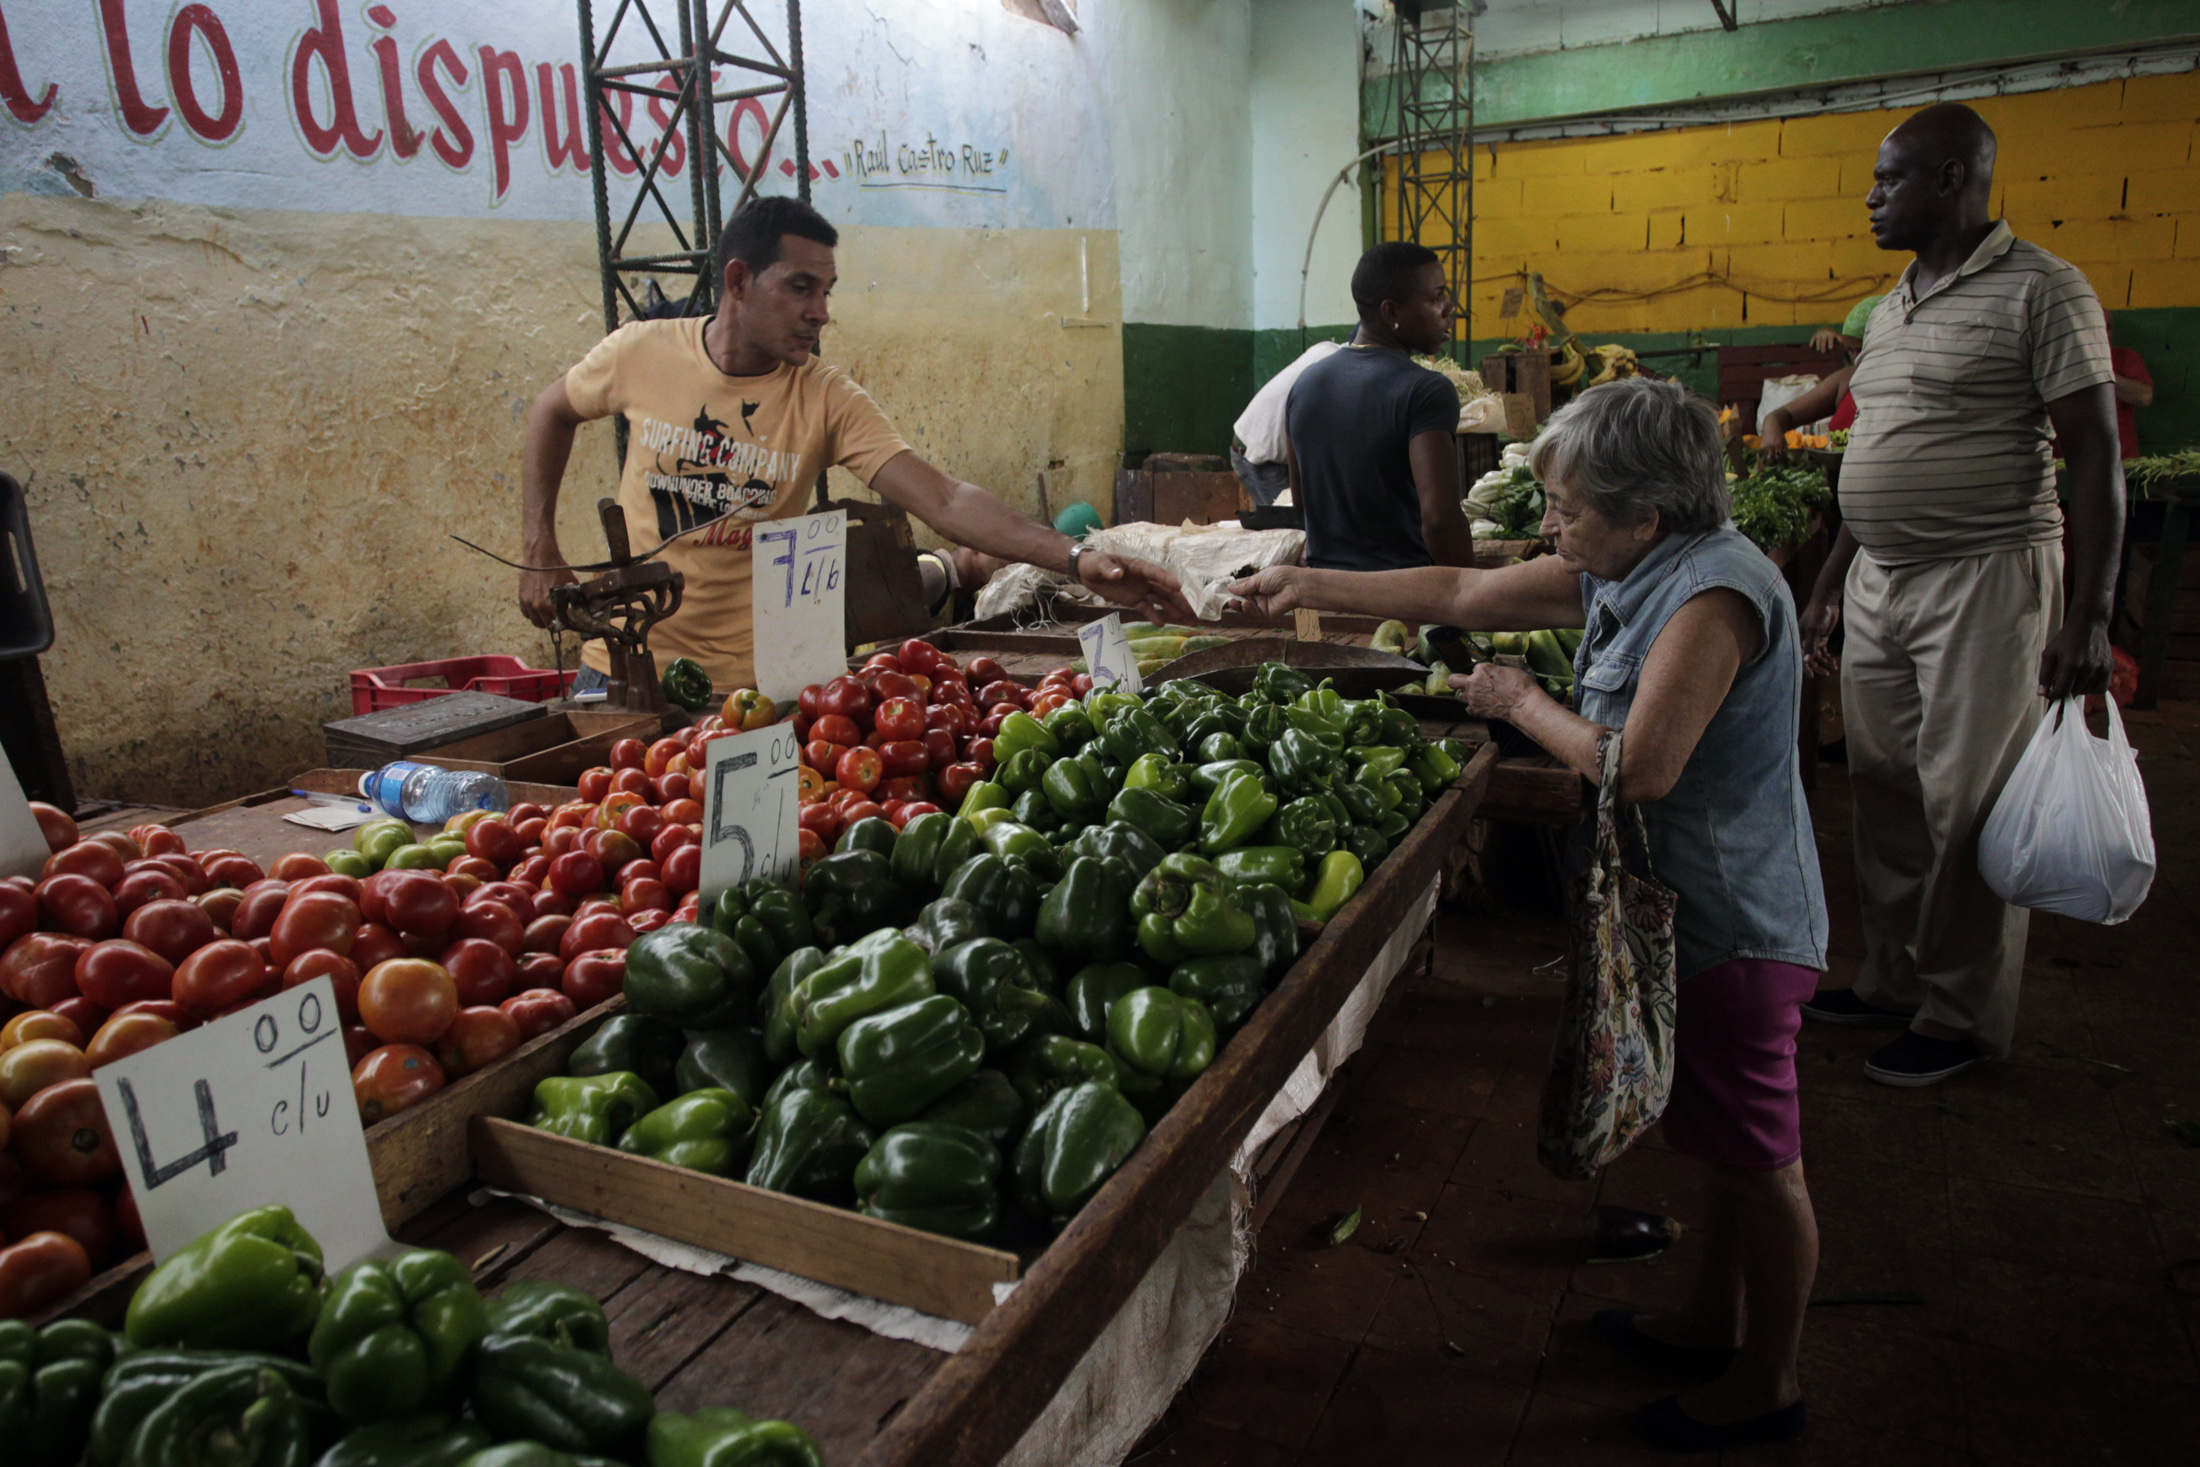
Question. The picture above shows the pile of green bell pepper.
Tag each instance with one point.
(597, 1109)
(49, 1388)
(691, 975)
(932, 1175)
(397, 1336)
(706, 1130)
(719, 1436)
(1186, 908)
(254, 1283)
(1074, 1144)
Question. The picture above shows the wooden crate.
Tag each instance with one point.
(552, 750)
(1173, 498)
(833, 1245)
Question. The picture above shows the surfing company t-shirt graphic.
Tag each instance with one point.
(715, 454)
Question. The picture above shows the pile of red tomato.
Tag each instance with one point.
(909, 732)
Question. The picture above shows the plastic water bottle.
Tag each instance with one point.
(427, 795)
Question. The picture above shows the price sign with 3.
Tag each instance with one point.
(751, 795)
(798, 602)
(1108, 653)
(251, 1109)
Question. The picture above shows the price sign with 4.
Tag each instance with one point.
(1108, 653)
(751, 796)
(251, 1109)
(797, 602)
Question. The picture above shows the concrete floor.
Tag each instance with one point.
(2042, 1209)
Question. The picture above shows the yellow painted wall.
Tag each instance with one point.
(1763, 223)
(247, 436)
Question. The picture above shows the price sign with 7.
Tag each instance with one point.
(751, 793)
(1108, 653)
(252, 1109)
(798, 595)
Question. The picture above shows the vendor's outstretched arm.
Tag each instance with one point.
(1517, 598)
(968, 515)
(551, 422)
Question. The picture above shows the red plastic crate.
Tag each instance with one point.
(374, 688)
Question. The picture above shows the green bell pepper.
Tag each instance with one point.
(1042, 1067)
(1020, 845)
(1301, 763)
(1021, 771)
(1074, 789)
(1155, 772)
(1307, 825)
(1205, 779)
(558, 1313)
(945, 923)
(568, 1400)
(49, 1388)
(241, 1414)
(1104, 702)
(1185, 908)
(725, 1059)
(533, 1454)
(1230, 987)
(1128, 733)
(980, 797)
(141, 1381)
(900, 1061)
(1339, 877)
(1367, 843)
(592, 1108)
(1393, 725)
(1219, 747)
(1411, 801)
(1020, 731)
(808, 1144)
(691, 976)
(821, 1074)
(423, 1439)
(1006, 896)
(883, 971)
(396, 1336)
(1161, 1033)
(1279, 683)
(778, 1002)
(851, 893)
(1071, 726)
(1087, 913)
(986, 1103)
(1276, 942)
(703, 1130)
(1131, 847)
(871, 833)
(1238, 807)
(1040, 974)
(1264, 725)
(1094, 990)
(1435, 768)
(928, 851)
(1031, 809)
(992, 980)
(767, 920)
(253, 1283)
(686, 684)
(1315, 727)
(1167, 822)
(719, 1436)
(1075, 1143)
(647, 1046)
(1361, 803)
(1377, 760)
(1283, 865)
(941, 1178)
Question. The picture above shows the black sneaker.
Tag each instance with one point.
(1842, 1006)
(1919, 1059)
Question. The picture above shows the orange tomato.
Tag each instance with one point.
(31, 1067)
(39, 1024)
(126, 1034)
(614, 806)
(746, 708)
(407, 1001)
(42, 1269)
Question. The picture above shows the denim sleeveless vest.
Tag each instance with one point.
(1733, 837)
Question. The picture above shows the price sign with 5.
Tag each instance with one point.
(751, 796)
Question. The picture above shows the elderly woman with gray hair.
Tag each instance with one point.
(1691, 647)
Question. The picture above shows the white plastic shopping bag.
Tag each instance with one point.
(2071, 833)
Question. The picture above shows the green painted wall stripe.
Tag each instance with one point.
(1183, 386)
(1807, 51)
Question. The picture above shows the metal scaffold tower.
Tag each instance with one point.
(694, 81)
(1432, 79)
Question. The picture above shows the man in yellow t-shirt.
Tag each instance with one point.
(730, 419)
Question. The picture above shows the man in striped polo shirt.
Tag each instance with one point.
(1987, 349)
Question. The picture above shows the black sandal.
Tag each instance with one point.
(1616, 1327)
(1664, 1424)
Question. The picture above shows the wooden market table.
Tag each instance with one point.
(699, 1340)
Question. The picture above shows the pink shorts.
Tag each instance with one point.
(1734, 1097)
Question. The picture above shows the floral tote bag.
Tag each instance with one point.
(1612, 1067)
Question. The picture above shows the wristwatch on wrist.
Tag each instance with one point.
(1077, 551)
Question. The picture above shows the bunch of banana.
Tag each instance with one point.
(1613, 362)
(1566, 371)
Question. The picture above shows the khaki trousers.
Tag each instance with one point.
(1939, 691)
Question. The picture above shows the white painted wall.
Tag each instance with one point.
(1306, 96)
(1177, 75)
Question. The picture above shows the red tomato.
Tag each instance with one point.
(900, 758)
(420, 904)
(847, 697)
(341, 972)
(407, 1001)
(126, 1034)
(939, 749)
(481, 971)
(187, 871)
(42, 1269)
(524, 811)
(684, 812)
(297, 866)
(837, 728)
(538, 1011)
(376, 943)
(78, 905)
(823, 756)
(18, 913)
(550, 904)
(480, 1035)
(811, 846)
(952, 718)
(172, 928)
(184, 1020)
(58, 829)
(641, 824)
(983, 670)
(670, 839)
(39, 968)
(595, 931)
(151, 882)
(219, 976)
(634, 871)
(491, 922)
(899, 718)
(61, 1136)
(157, 840)
(861, 810)
(256, 913)
(592, 978)
(82, 1012)
(538, 970)
(858, 769)
(628, 754)
(101, 862)
(358, 1044)
(810, 700)
(495, 840)
(649, 919)
(918, 655)
(119, 971)
(990, 725)
(630, 782)
(912, 810)
(315, 919)
(508, 893)
(683, 869)
(1046, 703)
(903, 788)
(530, 833)
(613, 850)
(349, 888)
(823, 819)
(593, 785)
(542, 935)
(232, 869)
(884, 662)
(644, 895)
(576, 874)
(671, 785)
(77, 1211)
(531, 871)
(219, 905)
(657, 758)
(392, 1078)
(955, 781)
